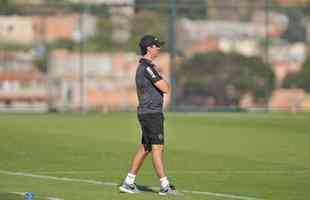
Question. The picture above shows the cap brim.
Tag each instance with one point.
(160, 43)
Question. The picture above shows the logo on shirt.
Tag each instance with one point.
(149, 70)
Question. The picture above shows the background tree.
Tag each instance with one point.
(300, 79)
(7, 7)
(296, 31)
(194, 9)
(142, 23)
(148, 22)
(225, 78)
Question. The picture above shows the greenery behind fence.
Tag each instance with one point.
(205, 79)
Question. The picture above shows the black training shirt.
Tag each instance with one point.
(149, 96)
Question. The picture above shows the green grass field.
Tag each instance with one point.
(224, 156)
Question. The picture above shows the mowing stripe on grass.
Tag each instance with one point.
(24, 193)
(230, 196)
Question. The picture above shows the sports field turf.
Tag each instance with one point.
(224, 156)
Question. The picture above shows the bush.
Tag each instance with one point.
(225, 78)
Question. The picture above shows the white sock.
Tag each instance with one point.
(130, 178)
(164, 182)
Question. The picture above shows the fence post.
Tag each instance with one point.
(172, 50)
(81, 60)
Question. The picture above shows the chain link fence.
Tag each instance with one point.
(219, 55)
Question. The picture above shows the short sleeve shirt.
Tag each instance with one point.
(149, 96)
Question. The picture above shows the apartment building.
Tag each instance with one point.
(22, 87)
(107, 79)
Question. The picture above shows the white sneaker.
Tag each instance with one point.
(169, 190)
(129, 188)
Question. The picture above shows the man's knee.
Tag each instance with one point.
(157, 147)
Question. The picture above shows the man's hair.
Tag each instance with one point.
(143, 50)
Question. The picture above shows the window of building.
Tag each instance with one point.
(10, 28)
(25, 85)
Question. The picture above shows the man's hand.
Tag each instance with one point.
(163, 86)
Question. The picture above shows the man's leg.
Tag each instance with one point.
(158, 163)
(157, 157)
(129, 185)
(138, 159)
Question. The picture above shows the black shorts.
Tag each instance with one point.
(152, 125)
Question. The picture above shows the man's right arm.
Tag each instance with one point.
(157, 80)
(163, 86)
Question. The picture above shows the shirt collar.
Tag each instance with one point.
(145, 61)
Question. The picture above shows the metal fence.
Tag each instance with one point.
(219, 55)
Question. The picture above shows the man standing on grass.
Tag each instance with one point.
(151, 88)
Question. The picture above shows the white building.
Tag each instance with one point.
(16, 29)
(22, 86)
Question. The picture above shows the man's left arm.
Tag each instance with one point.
(163, 86)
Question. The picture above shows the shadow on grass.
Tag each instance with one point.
(144, 188)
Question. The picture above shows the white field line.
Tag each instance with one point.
(182, 172)
(115, 184)
(57, 178)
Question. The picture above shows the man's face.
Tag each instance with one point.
(154, 50)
